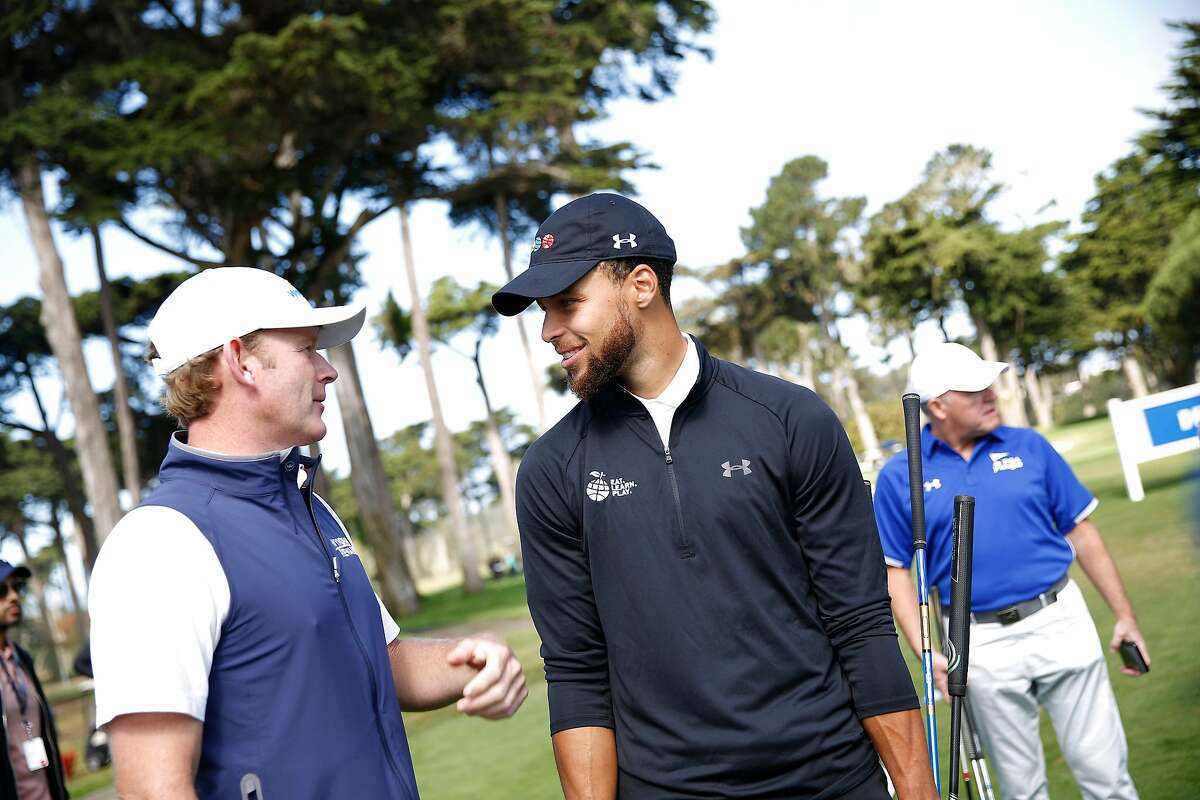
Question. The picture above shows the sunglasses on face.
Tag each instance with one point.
(14, 586)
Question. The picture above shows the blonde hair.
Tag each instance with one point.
(192, 386)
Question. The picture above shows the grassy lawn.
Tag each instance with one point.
(1153, 543)
(503, 599)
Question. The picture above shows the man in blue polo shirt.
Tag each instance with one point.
(1032, 639)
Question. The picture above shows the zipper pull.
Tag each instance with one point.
(337, 576)
(667, 452)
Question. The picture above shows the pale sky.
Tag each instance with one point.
(874, 88)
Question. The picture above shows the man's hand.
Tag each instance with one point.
(1127, 629)
(498, 689)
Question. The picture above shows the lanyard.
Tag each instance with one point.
(17, 681)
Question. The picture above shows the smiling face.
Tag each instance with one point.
(591, 328)
(291, 378)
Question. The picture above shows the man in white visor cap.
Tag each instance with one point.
(238, 647)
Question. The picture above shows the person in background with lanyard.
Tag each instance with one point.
(33, 770)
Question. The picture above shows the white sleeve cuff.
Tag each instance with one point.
(189, 706)
(1087, 510)
(894, 562)
(390, 629)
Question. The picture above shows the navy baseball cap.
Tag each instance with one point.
(7, 569)
(575, 239)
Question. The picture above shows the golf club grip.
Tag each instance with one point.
(916, 480)
(960, 594)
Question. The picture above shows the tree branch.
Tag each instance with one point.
(365, 217)
(183, 256)
(171, 13)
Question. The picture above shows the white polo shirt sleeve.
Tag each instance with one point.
(158, 600)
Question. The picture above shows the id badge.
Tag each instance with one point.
(35, 754)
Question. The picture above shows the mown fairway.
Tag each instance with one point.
(1152, 541)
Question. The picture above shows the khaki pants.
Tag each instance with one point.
(1051, 659)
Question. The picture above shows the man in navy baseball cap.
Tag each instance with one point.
(587, 249)
(27, 733)
(577, 237)
(6, 569)
(700, 553)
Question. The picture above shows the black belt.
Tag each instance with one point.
(1026, 608)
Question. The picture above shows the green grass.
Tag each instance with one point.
(503, 598)
(457, 757)
(90, 782)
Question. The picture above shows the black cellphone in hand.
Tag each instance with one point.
(1132, 656)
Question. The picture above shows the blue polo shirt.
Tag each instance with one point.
(1026, 500)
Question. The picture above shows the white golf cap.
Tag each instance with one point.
(222, 303)
(950, 367)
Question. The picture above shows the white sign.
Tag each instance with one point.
(1153, 427)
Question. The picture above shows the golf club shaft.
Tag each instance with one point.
(979, 758)
(955, 746)
(975, 755)
(911, 404)
(967, 765)
(960, 626)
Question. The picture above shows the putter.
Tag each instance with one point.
(972, 745)
(916, 490)
(960, 627)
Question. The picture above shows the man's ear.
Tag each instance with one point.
(644, 283)
(239, 363)
(937, 408)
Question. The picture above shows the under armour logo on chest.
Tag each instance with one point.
(630, 239)
(729, 468)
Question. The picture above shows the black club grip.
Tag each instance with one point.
(960, 594)
(916, 479)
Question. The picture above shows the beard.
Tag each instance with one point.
(606, 360)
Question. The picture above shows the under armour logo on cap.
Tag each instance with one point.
(577, 237)
(729, 468)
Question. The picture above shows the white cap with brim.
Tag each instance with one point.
(222, 303)
(950, 367)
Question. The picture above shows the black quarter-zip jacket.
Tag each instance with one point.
(722, 603)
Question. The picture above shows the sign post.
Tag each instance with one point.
(1154, 427)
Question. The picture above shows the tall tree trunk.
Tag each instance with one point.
(808, 366)
(62, 330)
(76, 500)
(447, 469)
(535, 375)
(383, 528)
(837, 398)
(1135, 375)
(844, 373)
(78, 616)
(866, 428)
(1012, 404)
(48, 616)
(501, 460)
(126, 431)
(1039, 397)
